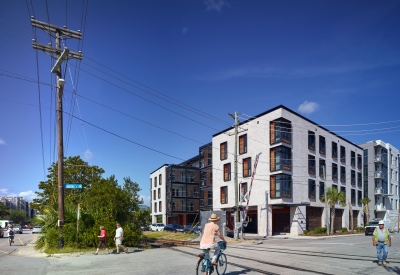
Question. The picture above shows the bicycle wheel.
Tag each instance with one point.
(222, 264)
(199, 266)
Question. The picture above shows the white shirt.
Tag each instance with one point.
(119, 233)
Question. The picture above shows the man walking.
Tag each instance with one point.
(119, 237)
(381, 239)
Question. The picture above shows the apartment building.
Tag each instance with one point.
(18, 203)
(175, 192)
(206, 172)
(381, 180)
(287, 189)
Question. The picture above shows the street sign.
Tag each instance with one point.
(73, 185)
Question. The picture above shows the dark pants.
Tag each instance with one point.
(102, 243)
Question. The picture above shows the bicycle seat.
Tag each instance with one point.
(201, 255)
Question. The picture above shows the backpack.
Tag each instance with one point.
(11, 233)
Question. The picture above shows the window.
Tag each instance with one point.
(159, 193)
(321, 190)
(359, 161)
(159, 179)
(160, 206)
(353, 196)
(353, 158)
(342, 154)
(311, 189)
(243, 144)
(359, 193)
(281, 186)
(281, 158)
(322, 146)
(343, 190)
(353, 177)
(155, 182)
(243, 191)
(321, 167)
(223, 150)
(227, 172)
(311, 140)
(342, 174)
(154, 194)
(224, 194)
(334, 171)
(359, 179)
(155, 207)
(311, 164)
(334, 150)
(247, 167)
(280, 131)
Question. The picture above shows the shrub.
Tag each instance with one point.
(344, 229)
(360, 229)
(320, 230)
(305, 232)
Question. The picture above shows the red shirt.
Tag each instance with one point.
(103, 233)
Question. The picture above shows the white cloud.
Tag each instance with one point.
(216, 4)
(185, 30)
(2, 142)
(308, 107)
(28, 195)
(146, 199)
(4, 191)
(88, 155)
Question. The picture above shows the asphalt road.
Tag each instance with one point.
(342, 255)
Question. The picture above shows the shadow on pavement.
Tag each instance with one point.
(238, 272)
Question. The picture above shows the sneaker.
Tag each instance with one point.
(95, 253)
(384, 262)
(379, 263)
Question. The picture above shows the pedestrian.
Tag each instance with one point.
(381, 239)
(10, 232)
(208, 239)
(102, 240)
(119, 237)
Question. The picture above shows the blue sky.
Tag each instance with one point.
(335, 62)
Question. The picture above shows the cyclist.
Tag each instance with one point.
(208, 239)
(10, 232)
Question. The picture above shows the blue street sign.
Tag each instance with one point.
(73, 185)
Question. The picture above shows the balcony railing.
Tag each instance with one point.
(378, 191)
(378, 159)
(380, 208)
(378, 175)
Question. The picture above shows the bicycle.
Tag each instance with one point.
(204, 264)
(10, 239)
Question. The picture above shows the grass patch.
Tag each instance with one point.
(166, 235)
(68, 250)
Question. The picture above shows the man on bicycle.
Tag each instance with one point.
(10, 232)
(208, 239)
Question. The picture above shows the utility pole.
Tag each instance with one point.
(235, 117)
(60, 55)
(326, 202)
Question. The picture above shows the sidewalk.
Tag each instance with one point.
(30, 251)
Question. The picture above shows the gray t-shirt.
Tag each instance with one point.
(381, 235)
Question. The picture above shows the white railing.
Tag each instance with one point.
(378, 191)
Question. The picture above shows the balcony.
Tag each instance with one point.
(380, 208)
(378, 175)
(378, 159)
(378, 191)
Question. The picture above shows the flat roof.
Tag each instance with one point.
(159, 168)
(293, 112)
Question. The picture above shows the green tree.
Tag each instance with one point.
(142, 216)
(333, 196)
(365, 201)
(3, 210)
(102, 202)
(17, 215)
(75, 171)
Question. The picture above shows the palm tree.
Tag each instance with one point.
(334, 196)
(366, 201)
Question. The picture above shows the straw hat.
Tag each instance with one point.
(214, 218)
